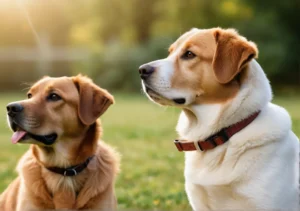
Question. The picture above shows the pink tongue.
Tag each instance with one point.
(17, 136)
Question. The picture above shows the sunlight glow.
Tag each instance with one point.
(22, 7)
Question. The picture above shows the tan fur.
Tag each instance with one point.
(232, 53)
(78, 129)
(199, 74)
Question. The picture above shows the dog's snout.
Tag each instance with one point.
(14, 108)
(145, 71)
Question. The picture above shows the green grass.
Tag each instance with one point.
(152, 169)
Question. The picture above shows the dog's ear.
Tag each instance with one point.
(232, 53)
(93, 101)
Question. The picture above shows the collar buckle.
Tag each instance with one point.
(223, 134)
(178, 145)
(70, 172)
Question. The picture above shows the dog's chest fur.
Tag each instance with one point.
(70, 186)
(244, 172)
(47, 188)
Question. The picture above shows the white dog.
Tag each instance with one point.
(240, 151)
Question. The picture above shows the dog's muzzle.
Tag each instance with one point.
(14, 109)
(15, 115)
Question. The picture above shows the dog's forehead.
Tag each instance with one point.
(203, 39)
(64, 84)
(183, 38)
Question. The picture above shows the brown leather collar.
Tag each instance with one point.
(217, 139)
(71, 171)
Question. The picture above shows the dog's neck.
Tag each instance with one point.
(69, 152)
(200, 121)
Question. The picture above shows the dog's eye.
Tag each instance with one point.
(29, 95)
(188, 55)
(53, 97)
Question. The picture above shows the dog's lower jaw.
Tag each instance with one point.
(198, 122)
(69, 152)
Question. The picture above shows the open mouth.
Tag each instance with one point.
(20, 135)
(155, 96)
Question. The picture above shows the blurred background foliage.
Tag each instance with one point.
(110, 39)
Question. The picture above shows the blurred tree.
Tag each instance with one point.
(143, 18)
(285, 27)
(21, 21)
(135, 26)
(15, 29)
(124, 34)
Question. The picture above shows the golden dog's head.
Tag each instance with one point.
(203, 67)
(57, 109)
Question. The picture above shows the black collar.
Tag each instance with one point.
(71, 171)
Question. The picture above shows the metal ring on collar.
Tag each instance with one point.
(75, 172)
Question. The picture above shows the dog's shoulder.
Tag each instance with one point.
(272, 125)
(8, 197)
(102, 170)
(26, 162)
(108, 157)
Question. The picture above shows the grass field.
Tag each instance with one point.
(152, 169)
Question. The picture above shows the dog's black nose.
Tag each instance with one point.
(14, 108)
(145, 71)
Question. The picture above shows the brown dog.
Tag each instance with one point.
(66, 166)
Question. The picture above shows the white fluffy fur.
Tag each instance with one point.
(258, 168)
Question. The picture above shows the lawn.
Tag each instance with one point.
(152, 169)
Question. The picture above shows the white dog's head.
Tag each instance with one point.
(203, 67)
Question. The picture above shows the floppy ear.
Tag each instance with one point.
(93, 101)
(232, 53)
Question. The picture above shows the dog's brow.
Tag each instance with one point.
(171, 48)
(32, 89)
(187, 45)
(50, 88)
